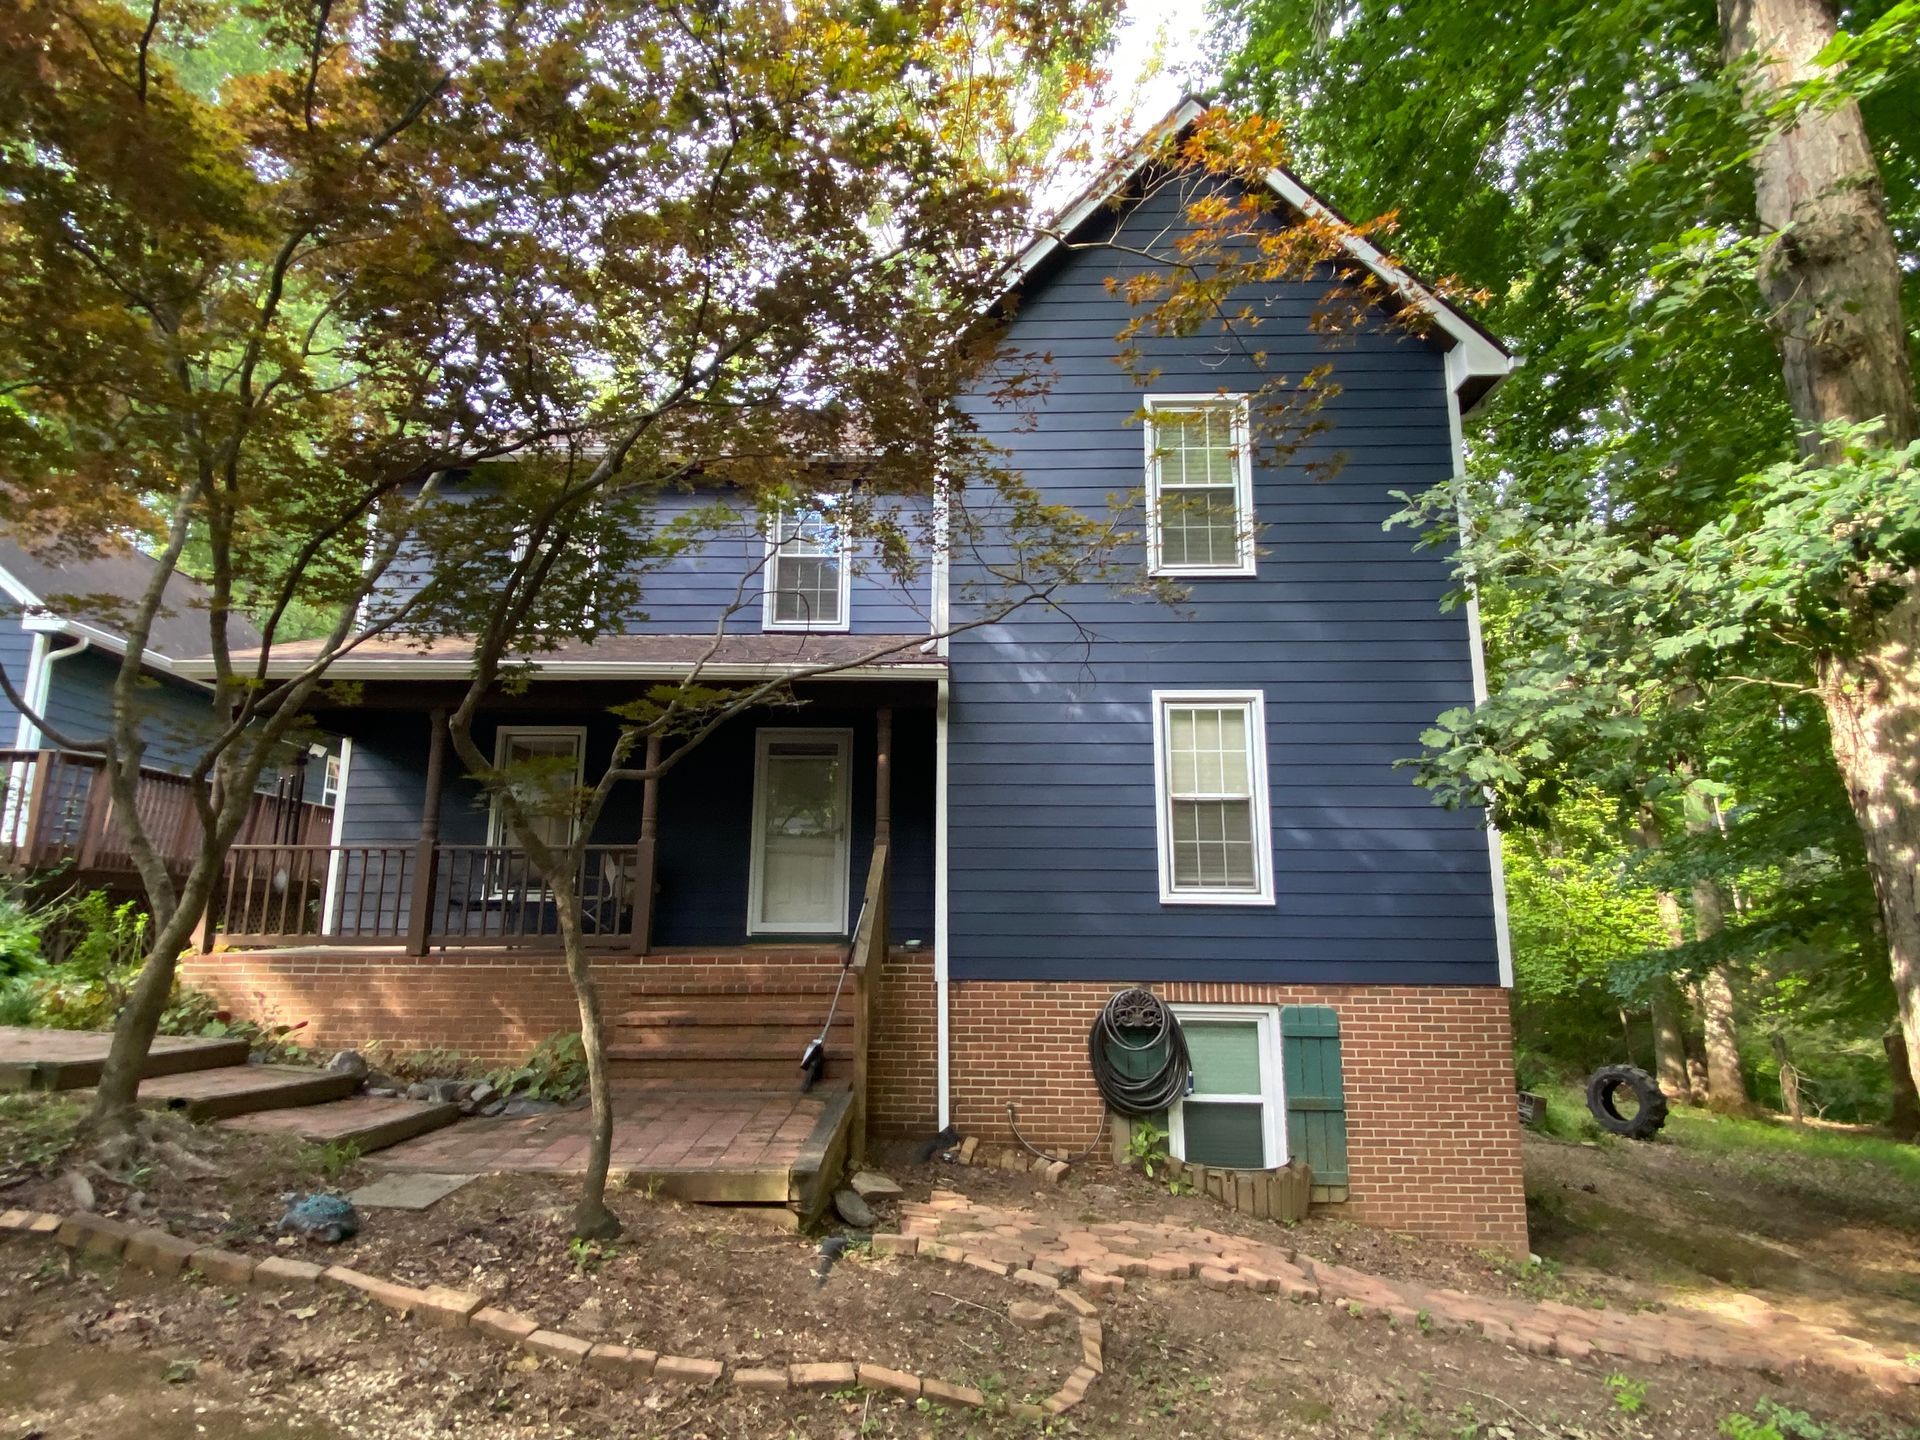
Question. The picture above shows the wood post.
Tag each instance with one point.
(425, 866)
(643, 853)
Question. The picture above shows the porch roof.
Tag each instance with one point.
(743, 656)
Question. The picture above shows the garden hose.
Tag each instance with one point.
(1136, 1022)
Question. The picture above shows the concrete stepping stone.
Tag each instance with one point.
(408, 1190)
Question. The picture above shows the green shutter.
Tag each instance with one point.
(1316, 1096)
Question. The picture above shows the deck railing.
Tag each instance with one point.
(866, 958)
(482, 895)
(58, 807)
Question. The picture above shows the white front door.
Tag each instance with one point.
(798, 884)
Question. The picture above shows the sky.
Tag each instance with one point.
(1158, 53)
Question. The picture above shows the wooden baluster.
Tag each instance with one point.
(424, 867)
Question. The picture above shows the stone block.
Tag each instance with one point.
(277, 1270)
(92, 1235)
(884, 1244)
(389, 1293)
(941, 1393)
(447, 1308)
(568, 1349)
(223, 1267)
(1036, 1279)
(823, 1375)
(44, 1224)
(879, 1377)
(687, 1369)
(1031, 1314)
(768, 1381)
(158, 1252)
(1096, 1283)
(502, 1324)
(1078, 1303)
(1055, 1172)
(622, 1361)
(985, 1262)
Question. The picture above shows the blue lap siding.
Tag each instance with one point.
(1053, 856)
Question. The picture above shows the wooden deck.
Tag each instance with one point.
(710, 1146)
(33, 1059)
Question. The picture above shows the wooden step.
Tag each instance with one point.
(36, 1059)
(242, 1089)
(366, 1122)
(786, 1015)
(741, 1039)
(716, 1073)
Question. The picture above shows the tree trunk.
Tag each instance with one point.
(1669, 1039)
(1831, 280)
(115, 1098)
(1905, 1122)
(1669, 1042)
(1720, 1028)
(592, 1220)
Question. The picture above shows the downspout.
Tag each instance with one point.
(40, 683)
(1477, 655)
(943, 1070)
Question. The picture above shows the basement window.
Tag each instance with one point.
(1234, 1114)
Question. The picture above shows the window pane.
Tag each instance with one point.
(1230, 1136)
(1226, 1056)
(1198, 513)
(1199, 527)
(1213, 845)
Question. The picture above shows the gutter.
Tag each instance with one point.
(40, 683)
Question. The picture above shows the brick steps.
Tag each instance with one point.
(367, 1122)
(242, 1089)
(35, 1059)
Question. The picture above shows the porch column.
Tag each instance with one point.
(425, 862)
(642, 936)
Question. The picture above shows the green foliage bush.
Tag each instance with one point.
(557, 1070)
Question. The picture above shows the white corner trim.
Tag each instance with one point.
(16, 590)
(942, 1040)
(25, 735)
(1246, 560)
(335, 838)
(1477, 659)
(1255, 702)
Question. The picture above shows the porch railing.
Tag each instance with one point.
(487, 895)
(866, 958)
(58, 807)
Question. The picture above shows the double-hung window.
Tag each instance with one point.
(1210, 771)
(1199, 486)
(1235, 1114)
(807, 575)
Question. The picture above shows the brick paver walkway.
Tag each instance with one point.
(1106, 1256)
(655, 1134)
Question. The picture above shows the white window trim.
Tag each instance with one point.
(1256, 703)
(1273, 1092)
(770, 571)
(763, 738)
(333, 773)
(1249, 562)
(496, 821)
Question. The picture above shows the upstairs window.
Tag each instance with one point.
(1199, 486)
(1210, 769)
(807, 575)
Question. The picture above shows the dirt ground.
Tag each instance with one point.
(1666, 1223)
(92, 1349)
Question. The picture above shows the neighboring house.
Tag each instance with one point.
(62, 648)
(1203, 800)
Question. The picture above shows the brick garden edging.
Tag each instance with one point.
(1103, 1257)
(167, 1255)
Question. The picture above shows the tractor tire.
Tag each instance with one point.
(1605, 1085)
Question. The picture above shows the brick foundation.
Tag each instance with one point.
(493, 1007)
(1432, 1134)
(1433, 1140)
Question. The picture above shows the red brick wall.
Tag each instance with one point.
(1433, 1138)
(493, 1007)
(903, 1066)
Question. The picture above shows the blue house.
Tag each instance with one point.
(62, 642)
(1007, 827)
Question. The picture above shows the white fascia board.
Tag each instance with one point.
(117, 645)
(427, 667)
(15, 591)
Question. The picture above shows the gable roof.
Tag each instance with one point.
(1476, 360)
(116, 572)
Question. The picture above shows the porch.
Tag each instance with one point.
(59, 811)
